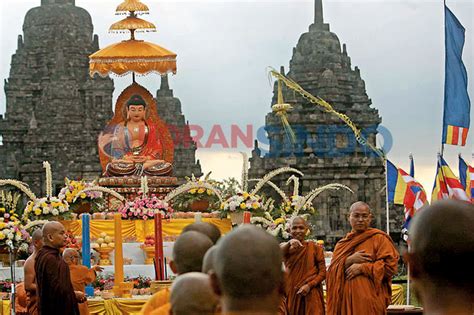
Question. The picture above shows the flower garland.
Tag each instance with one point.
(74, 191)
(144, 208)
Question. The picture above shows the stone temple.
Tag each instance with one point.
(326, 151)
(54, 110)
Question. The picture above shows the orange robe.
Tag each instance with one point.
(162, 310)
(370, 292)
(157, 300)
(20, 299)
(80, 277)
(305, 266)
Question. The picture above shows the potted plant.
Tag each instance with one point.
(199, 195)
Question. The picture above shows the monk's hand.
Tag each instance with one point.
(358, 257)
(304, 290)
(353, 271)
(80, 297)
(294, 244)
(98, 268)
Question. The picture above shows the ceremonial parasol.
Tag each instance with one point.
(132, 56)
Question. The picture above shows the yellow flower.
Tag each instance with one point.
(2, 236)
(83, 195)
(279, 221)
(245, 195)
(2, 224)
(192, 191)
(44, 205)
(37, 211)
(201, 190)
(209, 192)
(255, 205)
(222, 206)
(287, 209)
(2, 209)
(242, 205)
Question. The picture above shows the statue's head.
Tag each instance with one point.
(136, 108)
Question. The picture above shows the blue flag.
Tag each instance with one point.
(457, 106)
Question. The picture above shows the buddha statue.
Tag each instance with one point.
(133, 147)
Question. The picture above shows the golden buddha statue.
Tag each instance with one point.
(134, 146)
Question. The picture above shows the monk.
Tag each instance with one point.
(206, 228)
(306, 269)
(80, 275)
(21, 304)
(440, 257)
(192, 293)
(208, 261)
(55, 291)
(248, 272)
(29, 271)
(188, 253)
(360, 274)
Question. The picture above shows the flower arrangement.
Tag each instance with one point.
(13, 234)
(149, 241)
(139, 282)
(9, 203)
(103, 282)
(243, 202)
(47, 208)
(144, 207)
(79, 200)
(196, 195)
(277, 227)
(297, 203)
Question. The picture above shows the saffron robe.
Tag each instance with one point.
(20, 299)
(369, 292)
(80, 277)
(305, 266)
(162, 310)
(53, 280)
(157, 300)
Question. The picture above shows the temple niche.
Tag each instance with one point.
(326, 150)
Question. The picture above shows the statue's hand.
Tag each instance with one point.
(139, 159)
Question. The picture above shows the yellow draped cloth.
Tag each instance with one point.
(133, 306)
(139, 229)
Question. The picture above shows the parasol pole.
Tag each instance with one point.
(133, 77)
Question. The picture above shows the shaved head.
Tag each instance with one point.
(299, 219)
(248, 264)
(54, 234)
(360, 216)
(71, 256)
(442, 246)
(205, 228)
(37, 235)
(189, 250)
(192, 293)
(359, 205)
(208, 262)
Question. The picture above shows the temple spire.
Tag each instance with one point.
(318, 12)
(164, 90)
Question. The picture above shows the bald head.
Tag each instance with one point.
(442, 245)
(191, 293)
(359, 205)
(208, 261)
(206, 228)
(248, 264)
(189, 250)
(360, 216)
(54, 234)
(71, 256)
(37, 239)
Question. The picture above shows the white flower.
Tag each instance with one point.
(45, 210)
(17, 237)
(10, 235)
(55, 212)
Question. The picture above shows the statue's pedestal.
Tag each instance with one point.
(129, 186)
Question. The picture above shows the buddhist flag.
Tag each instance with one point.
(466, 175)
(457, 106)
(403, 189)
(447, 185)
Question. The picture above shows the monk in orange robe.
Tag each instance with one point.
(306, 271)
(80, 275)
(360, 274)
(21, 304)
(29, 272)
(188, 254)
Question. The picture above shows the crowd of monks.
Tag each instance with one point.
(248, 272)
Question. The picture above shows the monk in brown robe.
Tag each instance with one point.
(80, 275)
(55, 292)
(441, 255)
(248, 273)
(29, 271)
(192, 293)
(306, 269)
(188, 253)
(360, 274)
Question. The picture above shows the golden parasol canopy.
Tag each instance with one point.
(135, 56)
(132, 6)
(132, 23)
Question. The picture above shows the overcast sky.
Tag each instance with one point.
(225, 47)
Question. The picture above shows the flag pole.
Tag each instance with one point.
(386, 197)
(408, 277)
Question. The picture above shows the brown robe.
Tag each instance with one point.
(305, 266)
(370, 292)
(53, 280)
(80, 277)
